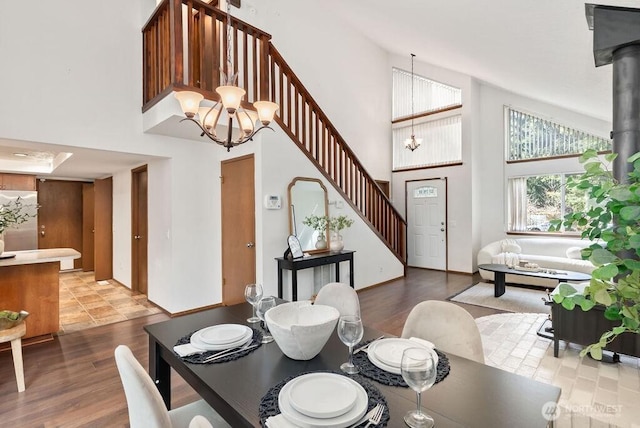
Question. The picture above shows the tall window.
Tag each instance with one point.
(531, 137)
(441, 133)
(535, 200)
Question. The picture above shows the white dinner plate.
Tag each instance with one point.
(303, 421)
(198, 343)
(222, 334)
(391, 354)
(322, 395)
(389, 351)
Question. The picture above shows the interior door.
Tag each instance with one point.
(238, 228)
(139, 228)
(103, 217)
(88, 227)
(60, 216)
(427, 223)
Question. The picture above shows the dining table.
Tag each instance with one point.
(471, 395)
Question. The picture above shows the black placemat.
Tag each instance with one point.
(269, 402)
(199, 358)
(368, 369)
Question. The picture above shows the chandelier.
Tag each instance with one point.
(230, 99)
(413, 142)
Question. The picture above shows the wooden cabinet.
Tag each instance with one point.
(17, 182)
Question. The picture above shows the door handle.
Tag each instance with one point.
(250, 245)
(442, 229)
(136, 236)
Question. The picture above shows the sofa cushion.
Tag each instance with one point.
(574, 253)
(561, 263)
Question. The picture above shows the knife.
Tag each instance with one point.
(217, 357)
(364, 347)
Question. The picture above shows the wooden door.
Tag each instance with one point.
(88, 229)
(238, 228)
(103, 194)
(427, 224)
(60, 216)
(139, 228)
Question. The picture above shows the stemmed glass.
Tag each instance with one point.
(350, 332)
(253, 294)
(264, 305)
(418, 369)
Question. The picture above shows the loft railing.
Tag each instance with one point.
(185, 47)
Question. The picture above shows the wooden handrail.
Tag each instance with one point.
(191, 58)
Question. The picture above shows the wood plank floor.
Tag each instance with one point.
(73, 381)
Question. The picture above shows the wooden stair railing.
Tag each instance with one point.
(174, 62)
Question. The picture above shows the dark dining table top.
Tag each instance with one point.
(472, 395)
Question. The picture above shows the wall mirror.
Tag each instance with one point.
(307, 196)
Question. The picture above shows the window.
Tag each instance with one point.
(531, 137)
(535, 200)
(436, 121)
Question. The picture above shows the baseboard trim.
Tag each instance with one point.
(379, 284)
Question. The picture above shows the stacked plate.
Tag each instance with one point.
(322, 400)
(386, 354)
(222, 336)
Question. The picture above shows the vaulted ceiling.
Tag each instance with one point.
(539, 48)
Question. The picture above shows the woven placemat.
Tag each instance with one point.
(199, 358)
(269, 402)
(368, 369)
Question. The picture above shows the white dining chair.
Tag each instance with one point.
(200, 421)
(340, 296)
(146, 407)
(448, 326)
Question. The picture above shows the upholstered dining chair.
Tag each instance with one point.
(340, 296)
(146, 407)
(448, 326)
(200, 421)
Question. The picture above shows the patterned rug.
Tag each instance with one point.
(515, 299)
(594, 394)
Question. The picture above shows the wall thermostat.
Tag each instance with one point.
(272, 202)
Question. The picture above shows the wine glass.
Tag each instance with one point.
(350, 332)
(253, 294)
(264, 305)
(418, 369)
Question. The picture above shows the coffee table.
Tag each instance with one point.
(501, 270)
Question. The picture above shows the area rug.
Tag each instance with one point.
(594, 394)
(515, 299)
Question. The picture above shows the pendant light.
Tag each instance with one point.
(413, 142)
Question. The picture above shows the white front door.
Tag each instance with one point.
(427, 224)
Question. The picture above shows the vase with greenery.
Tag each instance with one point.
(12, 214)
(612, 222)
(319, 223)
(336, 224)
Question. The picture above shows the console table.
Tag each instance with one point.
(314, 260)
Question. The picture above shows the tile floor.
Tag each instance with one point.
(594, 394)
(85, 303)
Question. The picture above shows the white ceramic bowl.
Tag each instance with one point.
(301, 329)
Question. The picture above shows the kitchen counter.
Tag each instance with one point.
(30, 281)
(38, 256)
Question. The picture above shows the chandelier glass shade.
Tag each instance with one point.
(230, 102)
(412, 143)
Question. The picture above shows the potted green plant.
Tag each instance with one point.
(319, 224)
(613, 224)
(336, 224)
(12, 214)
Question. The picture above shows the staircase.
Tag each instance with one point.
(178, 58)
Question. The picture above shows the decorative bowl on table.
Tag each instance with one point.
(301, 329)
(9, 319)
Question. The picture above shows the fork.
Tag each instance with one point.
(377, 416)
(228, 351)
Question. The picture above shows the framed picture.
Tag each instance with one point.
(294, 246)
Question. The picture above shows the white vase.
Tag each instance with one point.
(321, 244)
(1, 244)
(336, 242)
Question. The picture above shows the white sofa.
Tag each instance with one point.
(547, 252)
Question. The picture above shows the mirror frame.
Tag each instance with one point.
(326, 212)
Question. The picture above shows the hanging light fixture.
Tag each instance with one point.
(230, 101)
(413, 142)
